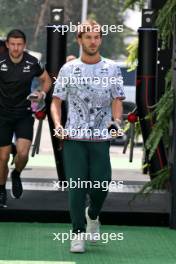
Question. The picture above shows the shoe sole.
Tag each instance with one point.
(3, 206)
(76, 251)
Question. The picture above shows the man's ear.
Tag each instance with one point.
(7, 44)
(79, 41)
(101, 41)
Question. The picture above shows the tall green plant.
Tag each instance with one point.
(133, 3)
(163, 111)
(132, 55)
(165, 21)
(164, 108)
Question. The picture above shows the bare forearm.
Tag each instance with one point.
(46, 85)
(117, 109)
(56, 111)
(45, 82)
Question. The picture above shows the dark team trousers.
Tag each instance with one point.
(86, 161)
(20, 127)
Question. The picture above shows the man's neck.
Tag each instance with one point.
(90, 59)
(16, 60)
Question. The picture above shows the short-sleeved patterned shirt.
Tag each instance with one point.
(89, 90)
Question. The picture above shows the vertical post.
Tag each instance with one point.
(83, 15)
(152, 68)
(153, 4)
(173, 150)
(146, 90)
(84, 10)
(164, 55)
(56, 57)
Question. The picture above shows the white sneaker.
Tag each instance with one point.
(92, 229)
(77, 244)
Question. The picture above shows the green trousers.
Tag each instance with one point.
(88, 162)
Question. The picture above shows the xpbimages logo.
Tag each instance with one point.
(70, 27)
(103, 81)
(88, 133)
(81, 184)
(102, 237)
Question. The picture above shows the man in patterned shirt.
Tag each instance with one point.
(93, 90)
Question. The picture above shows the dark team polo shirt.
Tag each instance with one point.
(15, 84)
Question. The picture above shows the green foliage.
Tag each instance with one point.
(163, 111)
(137, 130)
(159, 182)
(164, 108)
(109, 14)
(133, 3)
(19, 14)
(165, 21)
(25, 14)
(132, 55)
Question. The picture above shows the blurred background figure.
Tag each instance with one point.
(70, 58)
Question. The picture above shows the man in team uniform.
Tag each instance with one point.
(92, 108)
(17, 70)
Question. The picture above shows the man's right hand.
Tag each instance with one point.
(59, 131)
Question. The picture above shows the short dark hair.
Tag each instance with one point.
(16, 33)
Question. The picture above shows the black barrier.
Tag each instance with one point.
(156, 4)
(56, 57)
(146, 91)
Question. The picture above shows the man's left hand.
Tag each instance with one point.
(37, 96)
